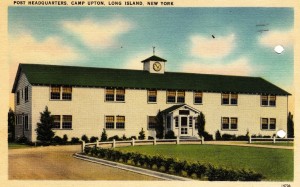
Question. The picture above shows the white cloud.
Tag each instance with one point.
(24, 48)
(98, 35)
(134, 62)
(274, 38)
(208, 47)
(240, 67)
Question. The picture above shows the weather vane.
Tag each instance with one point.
(153, 50)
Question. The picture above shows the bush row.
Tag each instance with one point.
(172, 166)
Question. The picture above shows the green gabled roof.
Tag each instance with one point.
(137, 79)
(154, 58)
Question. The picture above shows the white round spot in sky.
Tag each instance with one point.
(281, 133)
(279, 49)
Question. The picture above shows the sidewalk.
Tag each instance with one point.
(159, 175)
(246, 144)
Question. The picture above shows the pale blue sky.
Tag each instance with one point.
(182, 36)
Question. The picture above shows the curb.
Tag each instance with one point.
(134, 169)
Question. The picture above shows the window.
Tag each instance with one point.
(272, 100)
(196, 122)
(26, 126)
(120, 95)
(272, 123)
(151, 122)
(120, 122)
(55, 92)
(109, 94)
(112, 94)
(171, 95)
(197, 97)
(180, 97)
(18, 97)
(19, 120)
(184, 131)
(268, 124)
(109, 122)
(191, 121)
(268, 100)
(26, 93)
(152, 95)
(234, 99)
(176, 121)
(264, 123)
(175, 96)
(56, 123)
(184, 112)
(229, 123)
(67, 122)
(229, 99)
(225, 123)
(67, 93)
(233, 123)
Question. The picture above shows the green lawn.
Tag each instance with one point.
(274, 164)
(17, 146)
(275, 144)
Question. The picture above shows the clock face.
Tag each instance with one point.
(157, 66)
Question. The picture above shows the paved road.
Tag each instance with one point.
(57, 163)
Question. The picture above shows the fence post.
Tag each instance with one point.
(250, 141)
(274, 139)
(82, 146)
(132, 142)
(154, 141)
(177, 140)
(114, 143)
(202, 140)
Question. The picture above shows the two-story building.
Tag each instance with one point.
(85, 100)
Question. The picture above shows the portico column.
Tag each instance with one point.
(179, 125)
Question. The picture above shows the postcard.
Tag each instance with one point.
(149, 93)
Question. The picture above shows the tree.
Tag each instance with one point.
(142, 134)
(201, 124)
(44, 129)
(290, 126)
(159, 127)
(103, 136)
(11, 124)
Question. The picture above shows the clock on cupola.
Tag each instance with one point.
(154, 64)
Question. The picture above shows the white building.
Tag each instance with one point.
(85, 100)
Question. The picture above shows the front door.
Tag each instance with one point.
(184, 126)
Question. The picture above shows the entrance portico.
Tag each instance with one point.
(182, 119)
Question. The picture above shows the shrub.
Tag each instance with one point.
(170, 135)
(228, 137)
(74, 140)
(65, 139)
(116, 137)
(142, 134)
(87, 150)
(179, 166)
(167, 163)
(103, 136)
(124, 137)
(200, 170)
(85, 138)
(22, 139)
(218, 135)
(93, 139)
(133, 137)
(150, 138)
(207, 136)
(57, 140)
(242, 138)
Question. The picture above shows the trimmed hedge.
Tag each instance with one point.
(172, 166)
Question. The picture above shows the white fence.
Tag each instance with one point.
(134, 142)
(274, 139)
